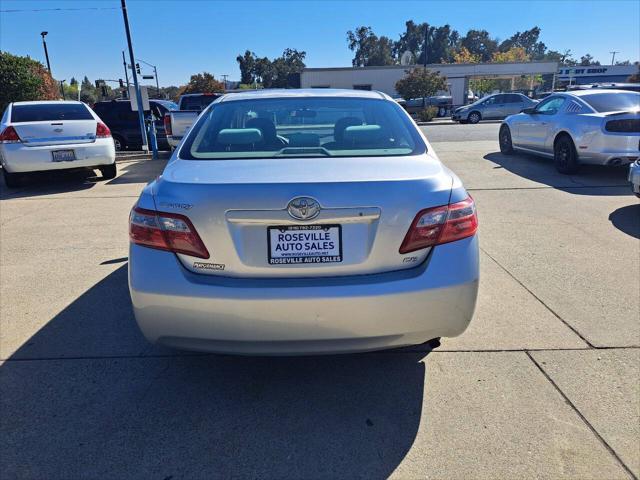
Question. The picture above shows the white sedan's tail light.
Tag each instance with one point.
(165, 231)
(438, 225)
(102, 131)
(9, 135)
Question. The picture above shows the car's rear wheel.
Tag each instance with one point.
(119, 143)
(12, 180)
(565, 155)
(108, 171)
(504, 137)
(474, 117)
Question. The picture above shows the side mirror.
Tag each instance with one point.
(529, 111)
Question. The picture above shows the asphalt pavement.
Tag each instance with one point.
(544, 383)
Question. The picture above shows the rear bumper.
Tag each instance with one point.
(609, 149)
(180, 309)
(18, 158)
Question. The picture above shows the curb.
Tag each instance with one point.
(450, 122)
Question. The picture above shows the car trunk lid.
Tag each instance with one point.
(240, 211)
(58, 132)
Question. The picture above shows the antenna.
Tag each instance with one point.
(407, 58)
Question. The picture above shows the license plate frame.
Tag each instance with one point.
(306, 259)
(63, 155)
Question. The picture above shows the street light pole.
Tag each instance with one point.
(155, 74)
(145, 143)
(46, 53)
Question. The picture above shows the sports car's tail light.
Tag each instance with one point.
(9, 135)
(165, 231)
(630, 125)
(438, 225)
(102, 131)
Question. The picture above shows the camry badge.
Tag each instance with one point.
(303, 208)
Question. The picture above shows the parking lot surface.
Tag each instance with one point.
(543, 384)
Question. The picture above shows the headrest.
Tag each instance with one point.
(239, 136)
(362, 133)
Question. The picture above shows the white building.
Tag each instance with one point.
(384, 78)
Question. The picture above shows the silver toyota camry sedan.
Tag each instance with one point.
(593, 126)
(303, 222)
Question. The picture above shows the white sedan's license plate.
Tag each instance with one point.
(304, 244)
(63, 155)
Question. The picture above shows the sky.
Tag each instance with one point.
(186, 37)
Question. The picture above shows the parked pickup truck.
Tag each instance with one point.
(177, 122)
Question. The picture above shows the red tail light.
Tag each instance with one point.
(165, 231)
(102, 131)
(167, 124)
(9, 135)
(438, 225)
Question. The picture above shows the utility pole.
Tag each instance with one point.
(613, 56)
(126, 73)
(224, 78)
(143, 131)
(46, 53)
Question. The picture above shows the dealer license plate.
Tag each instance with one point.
(63, 155)
(304, 244)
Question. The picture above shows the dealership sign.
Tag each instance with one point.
(596, 70)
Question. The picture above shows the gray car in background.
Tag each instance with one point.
(595, 126)
(493, 107)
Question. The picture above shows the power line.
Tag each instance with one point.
(56, 9)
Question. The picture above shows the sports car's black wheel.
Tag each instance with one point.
(565, 156)
(504, 137)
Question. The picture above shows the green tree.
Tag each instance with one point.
(563, 58)
(202, 83)
(370, 50)
(419, 83)
(170, 93)
(528, 41)
(479, 42)
(88, 92)
(411, 40)
(247, 63)
(442, 42)
(291, 62)
(587, 60)
(22, 78)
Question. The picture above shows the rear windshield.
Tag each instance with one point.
(613, 101)
(168, 105)
(302, 126)
(49, 111)
(199, 102)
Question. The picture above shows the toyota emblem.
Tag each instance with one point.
(303, 208)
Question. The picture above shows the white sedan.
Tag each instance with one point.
(53, 135)
(303, 222)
